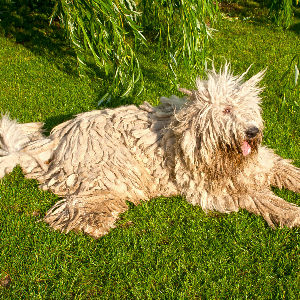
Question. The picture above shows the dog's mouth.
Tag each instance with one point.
(250, 145)
(246, 148)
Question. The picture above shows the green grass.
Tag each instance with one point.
(164, 248)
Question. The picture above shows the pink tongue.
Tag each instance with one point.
(246, 148)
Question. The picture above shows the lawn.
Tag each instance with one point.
(164, 248)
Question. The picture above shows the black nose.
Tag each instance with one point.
(252, 132)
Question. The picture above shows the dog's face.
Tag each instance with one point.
(241, 125)
(223, 114)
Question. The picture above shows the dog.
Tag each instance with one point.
(205, 146)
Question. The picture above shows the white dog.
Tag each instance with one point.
(206, 147)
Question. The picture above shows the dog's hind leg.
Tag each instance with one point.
(272, 208)
(94, 215)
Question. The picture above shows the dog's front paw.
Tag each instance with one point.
(272, 208)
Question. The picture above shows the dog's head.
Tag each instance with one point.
(223, 114)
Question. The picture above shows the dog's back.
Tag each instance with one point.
(114, 150)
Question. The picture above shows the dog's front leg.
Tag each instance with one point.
(277, 171)
(264, 203)
(222, 202)
(284, 174)
(271, 207)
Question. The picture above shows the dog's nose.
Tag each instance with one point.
(252, 132)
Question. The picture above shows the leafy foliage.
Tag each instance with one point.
(288, 87)
(281, 10)
(111, 30)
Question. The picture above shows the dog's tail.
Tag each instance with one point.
(13, 137)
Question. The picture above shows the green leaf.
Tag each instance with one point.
(296, 74)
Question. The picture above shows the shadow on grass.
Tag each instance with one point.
(51, 122)
(257, 12)
(27, 22)
(296, 27)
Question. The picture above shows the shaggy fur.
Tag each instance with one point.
(205, 147)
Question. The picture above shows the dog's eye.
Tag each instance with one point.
(227, 110)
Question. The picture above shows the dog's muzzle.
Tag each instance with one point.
(251, 133)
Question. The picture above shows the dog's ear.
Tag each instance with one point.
(250, 87)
